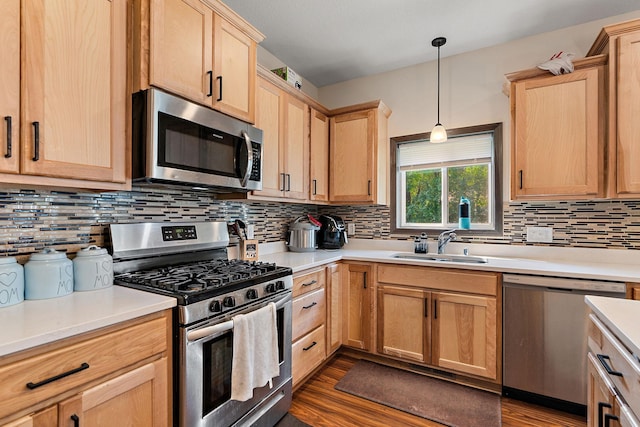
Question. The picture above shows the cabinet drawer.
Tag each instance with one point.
(475, 282)
(24, 383)
(622, 369)
(308, 313)
(308, 282)
(307, 353)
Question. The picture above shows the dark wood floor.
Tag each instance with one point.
(317, 403)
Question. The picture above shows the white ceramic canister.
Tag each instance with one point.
(92, 269)
(11, 282)
(48, 274)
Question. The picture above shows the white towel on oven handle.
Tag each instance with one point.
(255, 351)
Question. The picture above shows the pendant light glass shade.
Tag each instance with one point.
(438, 133)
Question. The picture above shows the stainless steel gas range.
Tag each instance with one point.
(189, 262)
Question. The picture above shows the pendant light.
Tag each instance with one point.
(438, 133)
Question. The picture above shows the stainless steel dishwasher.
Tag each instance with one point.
(545, 338)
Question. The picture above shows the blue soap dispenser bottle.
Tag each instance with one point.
(464, 214)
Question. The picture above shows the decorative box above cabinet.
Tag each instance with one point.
(557, 132)
(201, 50)
(621, 43)
(359, 153)
(65, 108)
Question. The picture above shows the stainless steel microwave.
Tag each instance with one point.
(178, 142)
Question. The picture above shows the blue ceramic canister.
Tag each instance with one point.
(92, 269)
(11, 282)
(48, 274)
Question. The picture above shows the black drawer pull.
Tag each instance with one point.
(9, 134)
(310, 305)
(308, 348)
(313, 282)
(601, 406)
(82, 367)
(602, 358)
(76, 420)
(608, 418)
(210, 74)
(219, 78)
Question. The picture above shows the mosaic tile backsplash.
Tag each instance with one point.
(33, 219)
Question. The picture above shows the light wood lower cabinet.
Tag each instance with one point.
(334, 307)
(121, 373)
(357, 280)
(441, 317)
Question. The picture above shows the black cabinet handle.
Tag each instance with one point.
(435, 308)
(306, 307)
(76, 420)
(603, 358)
(364, 280)
(426, 307)
(601, 406)
(9, 134)
(219, 79)
(520, 178)
(82, 367)
(608, 418)
(282, 180)
(313, 282)
(210, 74)
(315, 187)
(36, 141)
(288, 182)
(368, 187)
(307, 348)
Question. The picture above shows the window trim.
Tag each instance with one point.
(498, 187)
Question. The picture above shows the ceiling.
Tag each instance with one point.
(330, 41)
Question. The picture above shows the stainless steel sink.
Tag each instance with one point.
(441, 257)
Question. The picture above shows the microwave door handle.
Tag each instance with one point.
(224, 326)
(247, 173)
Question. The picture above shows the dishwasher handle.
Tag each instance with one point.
(565, 283)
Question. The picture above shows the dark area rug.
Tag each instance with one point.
(291, 421)
(441, 401)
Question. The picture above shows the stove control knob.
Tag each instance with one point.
(271, 288)
(280, 285)
(252, 294)
(215, 306)
(229, 302)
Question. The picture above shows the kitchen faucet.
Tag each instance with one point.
(444, 238)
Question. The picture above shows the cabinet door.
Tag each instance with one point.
(74, 95)
(46, 418)
(235, 71)
(464, 333)
(600, 397)
(10, 86)
(137, 398)
(319, 157)
(404, 326)
(269, 117)
(334, 308)
(558, 136)
(357, 317)
(181, 57)
(628, 112)
(352, 138)
(296, 146)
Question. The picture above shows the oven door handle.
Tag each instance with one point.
(222, 327)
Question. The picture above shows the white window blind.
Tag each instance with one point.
(418, 154)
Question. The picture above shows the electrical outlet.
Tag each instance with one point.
(250, 231)
(540, 234)
(351, 229)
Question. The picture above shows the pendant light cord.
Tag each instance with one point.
(438, 85)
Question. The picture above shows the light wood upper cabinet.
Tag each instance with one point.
(319, 157)
(200, 50)
(359, 153)
(558, 133)
(10, 85)
(72, 92)
(284, 121)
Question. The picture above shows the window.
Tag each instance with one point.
(428, 180)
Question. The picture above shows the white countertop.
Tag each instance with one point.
(36, 322)
(583, 266)
(621, 316)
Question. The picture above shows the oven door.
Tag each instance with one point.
(205, 370)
